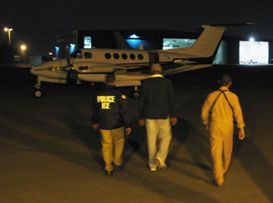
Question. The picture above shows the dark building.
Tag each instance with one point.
(232, 50)
(6, 54)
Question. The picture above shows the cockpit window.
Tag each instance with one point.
(87, 55)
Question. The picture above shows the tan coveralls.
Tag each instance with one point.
(220, 126)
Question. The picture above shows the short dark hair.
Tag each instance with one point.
(156, 68)
(225, 80)
(110, 78)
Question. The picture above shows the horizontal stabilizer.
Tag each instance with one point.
(229, 25)
(185, 68)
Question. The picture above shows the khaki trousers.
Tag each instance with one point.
(159, 136)
(112, 147)
(221, 142)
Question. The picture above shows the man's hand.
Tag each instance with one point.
(241, 134)
(173, 121)
(141, 122)
(206, 125)
(95, 126)
(128, 131)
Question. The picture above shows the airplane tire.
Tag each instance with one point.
(37, 93)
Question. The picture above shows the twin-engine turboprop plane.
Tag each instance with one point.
(93, 64)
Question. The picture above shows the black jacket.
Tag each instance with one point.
(110, 109)
(157, 98)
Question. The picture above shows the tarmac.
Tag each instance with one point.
(49, 153)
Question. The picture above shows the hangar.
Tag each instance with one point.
(232, 50)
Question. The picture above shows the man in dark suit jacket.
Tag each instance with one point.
(157, 112)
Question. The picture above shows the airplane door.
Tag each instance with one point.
(153, 57)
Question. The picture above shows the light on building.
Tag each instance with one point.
(251, 39)
(8, 30)
(23, 47)
(134, 36)
(57, 51)
(72, 48)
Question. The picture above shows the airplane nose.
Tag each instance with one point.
(32, 70)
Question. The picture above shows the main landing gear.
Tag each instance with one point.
(37, 93)
(136, 93)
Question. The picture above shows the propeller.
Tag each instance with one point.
(72, 75)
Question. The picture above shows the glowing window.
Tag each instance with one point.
(253, 52)
(87, 42)
(172, 43)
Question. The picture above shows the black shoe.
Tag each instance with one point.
(108, 173)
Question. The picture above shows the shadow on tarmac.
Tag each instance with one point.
(35, 131)
(252, 157)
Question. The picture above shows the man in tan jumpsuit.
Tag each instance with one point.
(221, 108)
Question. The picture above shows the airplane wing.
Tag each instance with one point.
(185, 68)
(122, 79)
(91, 68)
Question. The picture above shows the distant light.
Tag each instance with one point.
(50, 54)
(23, 47)
(7, 29)
(251, 39)
(134, 36)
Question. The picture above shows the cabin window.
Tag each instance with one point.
(132, 56)
(107, 55)
(140, 56)
(87, 55)
(116, 56)
(124, 56)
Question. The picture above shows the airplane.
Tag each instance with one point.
(93, 64)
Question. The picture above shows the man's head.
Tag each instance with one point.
(110, 79)
(225, 80)
(156, 68)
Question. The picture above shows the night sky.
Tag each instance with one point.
(38, 22)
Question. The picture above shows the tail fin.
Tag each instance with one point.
(206, 44)
(208, 41)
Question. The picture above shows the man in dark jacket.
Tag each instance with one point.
(157, 112)
(110, 115)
